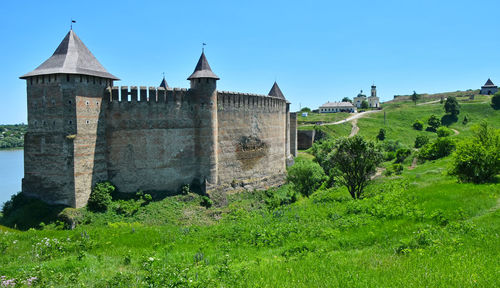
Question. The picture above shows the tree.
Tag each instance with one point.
(451, 106)
(433, 122)
(414, 97)
(421, 140)
(477, 159)
(364, 104)
(381, 134)
(402, 154)
(495, 101)
(466, 120)
(305, 109)
(346, 99)
(100, 197)
(418, 125)
(443, 132)
(354, 160)
(306, 176)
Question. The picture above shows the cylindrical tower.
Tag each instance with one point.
(203, 92)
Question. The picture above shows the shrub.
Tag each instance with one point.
(418, 125)
(451, 106)
(381, 134)
(306, 176)
(397, 168)
(440, 148)
(421, 140)
(495, 101)
(364, 104)
(477, 159)
(434, 123)
(466, 120)
(402, 154)
(391, 145)
(206, 202)
(389, 156)
(443, 132)
(100, 197)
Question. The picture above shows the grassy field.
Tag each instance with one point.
(313, 118)
(418, 229)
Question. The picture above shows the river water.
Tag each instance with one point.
(11, 173)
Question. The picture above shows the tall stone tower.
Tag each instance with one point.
(203, 92)
(64, 149)
(374, 91)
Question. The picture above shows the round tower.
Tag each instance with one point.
(63, 157)
(203, 92)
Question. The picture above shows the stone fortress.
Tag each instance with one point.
(83, 130)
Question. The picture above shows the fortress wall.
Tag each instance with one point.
(151, 138)
(251, 136)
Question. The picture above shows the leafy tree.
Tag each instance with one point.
(415, 97)
(306, 176)
(495, 101)
(440, 148)
(451, 106)
(354, 160)
(421, 140)
(402, 154)
(305, 109)
(443, 132)
(364, 104)
(477, 159)
(381, 134)
(100, 197)
(433, 122)
(346, 99)
(418, 125)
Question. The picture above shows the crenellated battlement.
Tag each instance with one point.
(150, 94)
(237, 100)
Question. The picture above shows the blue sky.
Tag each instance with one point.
(318, 51)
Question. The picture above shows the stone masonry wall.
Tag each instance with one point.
(251, 137)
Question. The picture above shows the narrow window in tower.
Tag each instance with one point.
(31, 80)
(207, 80)
(81, 78)
(97, 103)
(69, 102)
(87, 121)
(35, 123)
(100, 81)
(87, 103)
(87, 78)
(70, 122)
(93, 79)
(67, 77)
(53, 123)
(43, 79)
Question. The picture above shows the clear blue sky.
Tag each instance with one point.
(317, 50)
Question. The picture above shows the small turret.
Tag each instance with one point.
(276, 91)
(202, 73)
(374, 91)
(164, 83)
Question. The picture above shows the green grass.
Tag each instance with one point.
(313, 118)
(401, 115)
(418, 229)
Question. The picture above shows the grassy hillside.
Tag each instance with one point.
(429, 97)
(418, 229)
(401, 115)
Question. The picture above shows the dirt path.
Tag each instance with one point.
(413, 164)
(350, 118)
(378, 173)
(355, 128)
(431, 102)
(456, 131)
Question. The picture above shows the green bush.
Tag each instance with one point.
(100, 197)
(389, 156)
(440, 148)
(397, 168)
(421, 140)
(206, 202)
(402, 154)
(477, 159)
(381, 134)
(306, 176)
(443, 132)
(391, 145)
(466, 120)
(418, 125)
(495, 101)
(433, 123)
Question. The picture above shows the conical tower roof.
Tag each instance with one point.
(276, 91)
(489, 83)
(71, 57)
(164, 83)
(203, 69)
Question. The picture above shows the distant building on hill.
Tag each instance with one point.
(373, 100)
(488, 88)
(334, 107)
